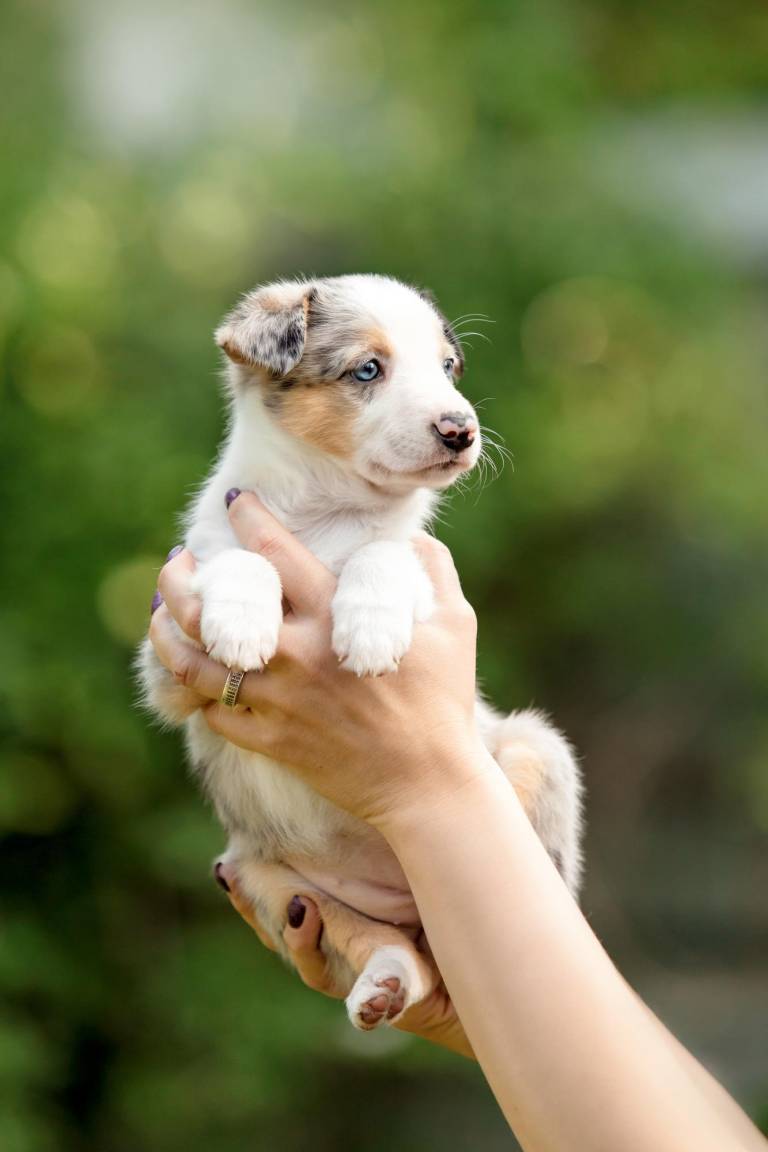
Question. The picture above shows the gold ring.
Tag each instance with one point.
(231, 687)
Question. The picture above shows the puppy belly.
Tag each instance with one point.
(271, 815)
(376, 887)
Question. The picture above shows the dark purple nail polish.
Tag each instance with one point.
(156, 602)
(174, 552)
(231, 495)
(218, 875)
(296, 912)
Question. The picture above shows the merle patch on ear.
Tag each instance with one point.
(448, 331)
(268, 327)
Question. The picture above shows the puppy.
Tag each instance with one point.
(347, 421)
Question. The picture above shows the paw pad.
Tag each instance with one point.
(374, 1002)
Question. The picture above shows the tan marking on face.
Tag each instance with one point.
(375, 340)
(322, 415)
(318, 407)
(335, 347)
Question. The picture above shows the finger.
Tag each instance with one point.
(191, 667)
(195, 670)
(226, 879)
(303, 944)
(439, 566)
(174, 585)
(241, 726)
(307, 584)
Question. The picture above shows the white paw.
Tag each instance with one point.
(240, 635)
(371, 639)
(242, 609)
(381, 993)
(382, 589)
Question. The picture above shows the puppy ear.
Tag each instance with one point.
(268, 327)
(448, 331)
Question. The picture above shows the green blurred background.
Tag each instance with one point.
(594, 177)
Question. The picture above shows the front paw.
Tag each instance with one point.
(242, 609)
(240, 634)
(371, 639)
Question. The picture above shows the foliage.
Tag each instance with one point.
(159, 161)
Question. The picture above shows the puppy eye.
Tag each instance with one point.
(448, 366)
(367, 372)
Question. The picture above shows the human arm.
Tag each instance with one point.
(574, 1058)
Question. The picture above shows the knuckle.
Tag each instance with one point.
(271, 733)
(312, 978)
(164, 581)
(269, 544)
(154, 629)
(467, 612)
(211, 716)
(185, 668)
(435, 548)
(190, 616)
(468, 616)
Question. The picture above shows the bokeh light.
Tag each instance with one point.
(123, 598)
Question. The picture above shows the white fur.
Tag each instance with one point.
(242, 608)
(382, 590)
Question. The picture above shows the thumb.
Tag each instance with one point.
(308, 585)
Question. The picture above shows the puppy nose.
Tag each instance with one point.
(456, 430)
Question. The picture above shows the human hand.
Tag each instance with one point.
(378, 747)
(433, 1019)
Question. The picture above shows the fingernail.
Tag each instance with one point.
(156, 602)
(231, 495)
(296, 912)
(174, 552)
(218, 875)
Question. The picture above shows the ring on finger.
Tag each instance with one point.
(231, 687)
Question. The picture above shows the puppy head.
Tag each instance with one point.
(362, 368)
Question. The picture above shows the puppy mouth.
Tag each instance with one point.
(446, 466)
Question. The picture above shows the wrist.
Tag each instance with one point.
(461, 776)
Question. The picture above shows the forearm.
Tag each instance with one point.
(731, 1114)
(574, 1058)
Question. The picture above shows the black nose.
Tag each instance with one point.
(456, 430)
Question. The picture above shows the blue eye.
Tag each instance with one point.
(367, 372)
(448, 366)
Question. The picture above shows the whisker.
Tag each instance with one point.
(472, 316)
(499, 445)
(496, 451)
(475, 320)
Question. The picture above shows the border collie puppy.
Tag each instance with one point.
(347, 421)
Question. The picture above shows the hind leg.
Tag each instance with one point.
(541, 766)
(395, 976)
(376, 966)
